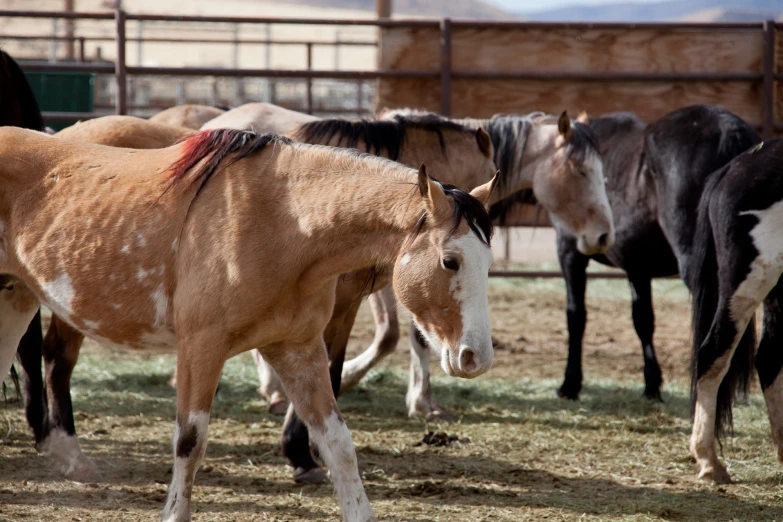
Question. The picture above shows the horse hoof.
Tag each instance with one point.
(566, 394)
(310, 476)
(279, 407)
(654, 395)
(717, 474)
(83, 471)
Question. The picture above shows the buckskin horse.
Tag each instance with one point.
(239, 243)
(563, 165)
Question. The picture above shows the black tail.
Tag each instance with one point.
(703, 284)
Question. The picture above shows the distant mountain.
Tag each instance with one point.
(708, 10)
(470, 9)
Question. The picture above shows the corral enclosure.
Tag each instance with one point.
(648, 69)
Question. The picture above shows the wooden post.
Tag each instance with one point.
(445, 67)
(309, 105)
(69, 47)
(121, 102)
(768, 98)
(383, 8)
(81, 49)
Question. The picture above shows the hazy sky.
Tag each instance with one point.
(538, 5)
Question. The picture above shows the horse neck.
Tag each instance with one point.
(360, 209)
(520, 143)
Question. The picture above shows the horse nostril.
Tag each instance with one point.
(467, 360)
(603, 240)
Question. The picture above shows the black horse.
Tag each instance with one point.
(654, 178)
(735, 265)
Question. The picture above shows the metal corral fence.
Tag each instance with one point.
(446, 64)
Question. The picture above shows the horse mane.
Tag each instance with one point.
(378, 135)
(472, 211)
(31, 112)
(219, 148)
(509, 133)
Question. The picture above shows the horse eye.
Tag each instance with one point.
(9, 287)
(449, 263)
(582, 173)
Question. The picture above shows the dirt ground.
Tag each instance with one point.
(523, 454)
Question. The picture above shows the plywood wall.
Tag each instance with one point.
(634, 50)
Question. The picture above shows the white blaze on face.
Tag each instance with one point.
(469, 288)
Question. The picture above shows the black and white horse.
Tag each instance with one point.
(654, 178)
(735, 265)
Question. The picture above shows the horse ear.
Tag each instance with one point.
(484, 142)
(432, 192)
(564, 125)
(583, 118)
(424, 186)
(482, 192)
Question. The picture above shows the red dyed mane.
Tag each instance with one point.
(213, 146)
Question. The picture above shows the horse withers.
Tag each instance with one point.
(222, 247)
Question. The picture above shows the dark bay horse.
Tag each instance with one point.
(655, 175)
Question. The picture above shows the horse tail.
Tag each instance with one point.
(703, 284)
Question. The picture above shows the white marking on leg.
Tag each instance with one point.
(66, 450)
(177, 506)
(337, 450)
(270, 385)
(418, 397)
(387, 333)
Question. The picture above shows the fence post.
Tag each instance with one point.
(445, 67)
(121, 102)
(81, 49)
(768, 98)
(309, 105)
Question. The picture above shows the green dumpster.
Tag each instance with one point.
(63, 92)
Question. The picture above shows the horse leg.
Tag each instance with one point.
(644, 323)
(769, 362)
(296, 440)
(419, 398)
(199, 365)
(29, 355)
(61, 351)
(387, 333)
(270, 386)
(305, 374)
(574, 266)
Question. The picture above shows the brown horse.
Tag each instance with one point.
(192, 115)
(465, 155)
(561, 159)
(239, 245)
(555, 157)
(125, 131)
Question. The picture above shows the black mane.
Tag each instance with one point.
(472, 210)
(377, 135)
